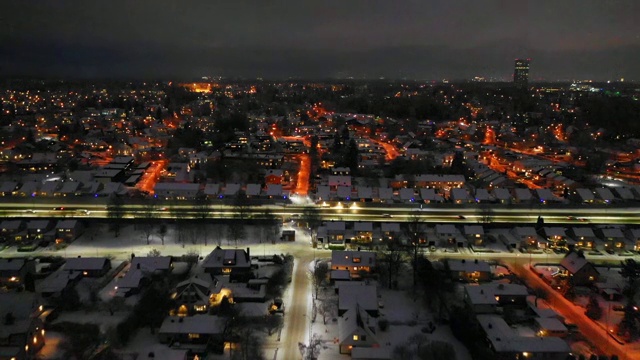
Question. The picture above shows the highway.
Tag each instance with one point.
(96, 208)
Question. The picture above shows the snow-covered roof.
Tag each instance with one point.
(390, 227)
(85, 263)
(211, 189)
(407, 194)
(151, 263)
(473, 230)
(344, 192)
(365, 297)
(365, 192)
(504, 340)
(550, 324)
(573, 262)
(352, 258)
(323, 192)
(253, 189)
(231, 189)
(385, 193)
(363, 226)
(11, 264)
(468, 266)
(196, 324)
(585, 194)
(446, 229)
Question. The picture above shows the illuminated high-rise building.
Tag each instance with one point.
(521, 73)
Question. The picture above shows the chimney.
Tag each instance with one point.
(248, 254)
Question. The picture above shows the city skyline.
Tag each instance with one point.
(575, 40)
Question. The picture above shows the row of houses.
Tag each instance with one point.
(29, 231)
(183, 191)
(605, 238)
(342, 234)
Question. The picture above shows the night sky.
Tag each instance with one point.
(421, 39)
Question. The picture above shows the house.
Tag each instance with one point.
(69, 188)
(583, 237)
(29, 188)
(68, 230)
(57, 283)
(448, 235)
(196, 329)
(583, 196)
(140, 274)
(466, 270)
(22, 331)
(363, 231)
(634, 236)
(546, 196)
(502, 195)
(275, 191)
(253, 190)
(555, 236)
(40, 230)
(343, 193)
(486, 298)
(8, 187)
(429, 196)
(365, 193)
(474, 234)
(211, 190)
(522, 196)
(550, 326)
(231, 189)
(227, 261)
(13, 271)
(10, 230)
(482, 196)
(385, 194)
(177, 191)
(273, 176)
(358, 293)
(526, 236)
(460, 196)
(508, 344)
(390, 231)
(582, 271)
(613, 237)
(356, 329)
(335, 233)
(407, 195)
(89, 267)
(196, 295)
(604, 195)
(157, 265)
(354, 261)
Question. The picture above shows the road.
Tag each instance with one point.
(296, 324)
(575, 314)
(89, 208)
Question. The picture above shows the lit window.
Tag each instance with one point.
(355, 337)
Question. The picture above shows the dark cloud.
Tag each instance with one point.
(424, 39)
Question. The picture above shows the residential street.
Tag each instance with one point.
(575, 315)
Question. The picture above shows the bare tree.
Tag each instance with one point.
(312, 220)
(413, 231)
(115, 213)
(391, 260)
(311, 351)
(162, 232)
(319, 275)
(325, 309)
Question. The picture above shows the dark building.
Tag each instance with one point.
(521, 73)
